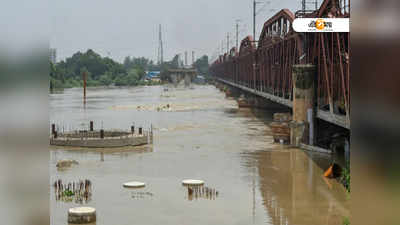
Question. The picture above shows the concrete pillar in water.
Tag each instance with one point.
(151, 134)
(101, 133)
(81, 215)
(84, 76)
(303, 77)
(133, 129)
(53, 128)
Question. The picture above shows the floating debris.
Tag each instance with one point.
(66, 163)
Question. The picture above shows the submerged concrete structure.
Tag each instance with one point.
(101, 138)
(175, 76)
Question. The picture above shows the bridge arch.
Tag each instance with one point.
(233, 52)
(246, 62)
(331, 53)
(334, 9)
(278, 26)
(247, 46)
(279, 48)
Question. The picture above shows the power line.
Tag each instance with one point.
(227, 43)
(255, 13)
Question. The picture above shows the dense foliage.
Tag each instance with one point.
(202, 65)
(103, 71)
(100, 71)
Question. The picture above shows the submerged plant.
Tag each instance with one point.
(68, 193)
(345, 178)
(346, 221)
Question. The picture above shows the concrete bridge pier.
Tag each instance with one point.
(302, 125)
(219, 86)
(188, 80)
(174, 78)
(247, 100)
(232, 92)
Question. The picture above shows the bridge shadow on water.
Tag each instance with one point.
(323, 160)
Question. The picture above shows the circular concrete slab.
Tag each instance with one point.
(82, 210)
(81, 215)
(134, 184)
(192, 182)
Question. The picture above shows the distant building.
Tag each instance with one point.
(153, 76)
(53, 55)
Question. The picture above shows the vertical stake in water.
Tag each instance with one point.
(84, 77)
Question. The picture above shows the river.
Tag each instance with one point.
(202, 135)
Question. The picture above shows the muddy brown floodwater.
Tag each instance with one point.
(200, 135)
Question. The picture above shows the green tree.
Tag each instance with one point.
(106, 79)
(202, 65)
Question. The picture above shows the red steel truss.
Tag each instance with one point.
(267, 67)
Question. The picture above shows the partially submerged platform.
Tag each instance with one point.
(101, 138)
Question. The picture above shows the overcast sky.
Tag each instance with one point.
(119, 28)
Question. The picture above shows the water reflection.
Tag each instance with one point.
(201, 192)
(297, 193)
(141, 195)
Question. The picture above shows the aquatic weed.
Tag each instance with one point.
(346, 221)
(345, 178)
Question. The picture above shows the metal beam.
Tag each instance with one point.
(338, 120)
(273, 98)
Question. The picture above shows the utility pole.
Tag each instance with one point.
(222, 47)
(304, 5)
(254, 19)
(227, 43)
(160, 47)
(186, 58)
(237, 34)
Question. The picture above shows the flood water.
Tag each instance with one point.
(202, 135)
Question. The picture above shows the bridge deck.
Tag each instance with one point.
(273, 98)
(338, 120)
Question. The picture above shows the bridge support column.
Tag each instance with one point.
(303, 77)
(232, 92)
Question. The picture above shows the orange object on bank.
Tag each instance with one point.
(329, 172)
